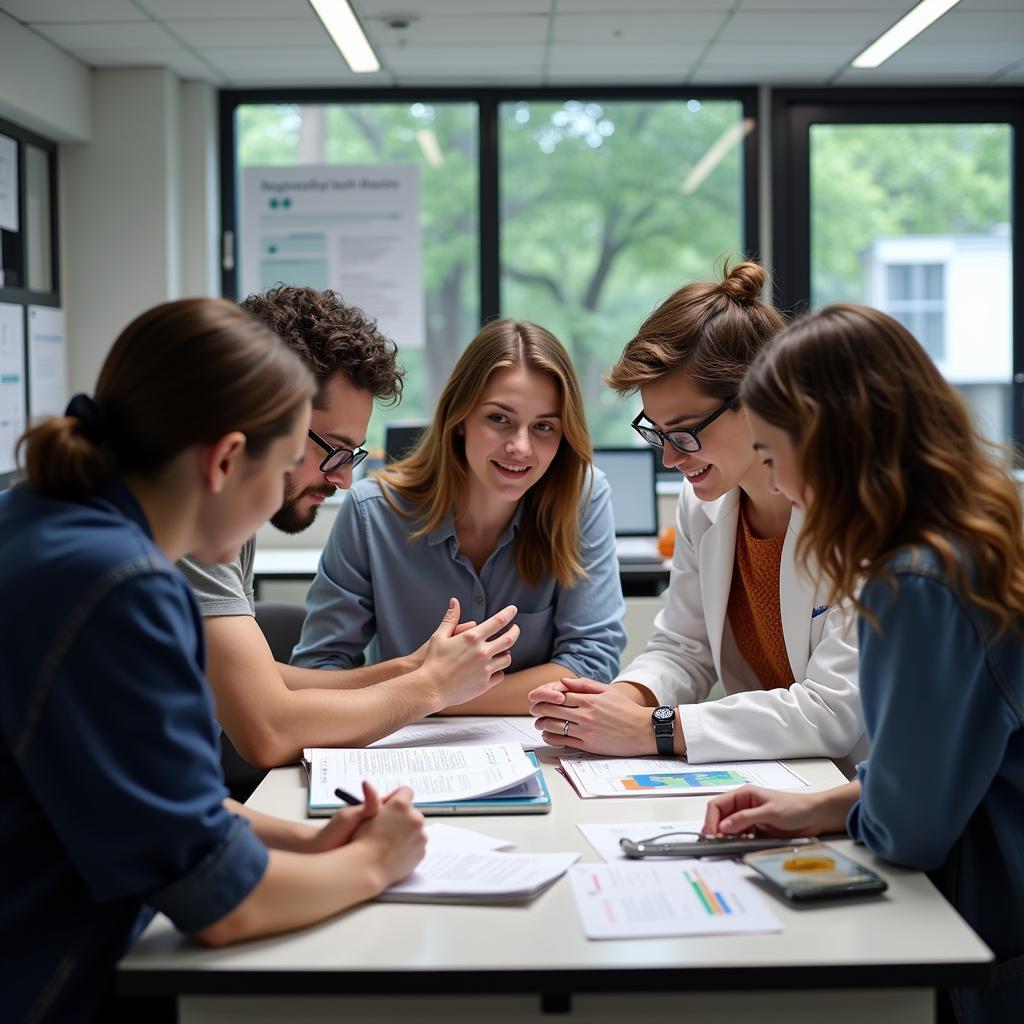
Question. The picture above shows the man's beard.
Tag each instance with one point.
(290, 518)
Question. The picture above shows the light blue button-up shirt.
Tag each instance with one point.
(374, 584)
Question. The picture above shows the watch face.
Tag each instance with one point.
(663, 714)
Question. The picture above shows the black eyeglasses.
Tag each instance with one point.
(336, 458)
(682, 440)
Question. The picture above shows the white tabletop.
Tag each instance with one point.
(909, 936)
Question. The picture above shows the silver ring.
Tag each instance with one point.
(565, 727)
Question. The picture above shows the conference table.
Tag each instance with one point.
(878, 958)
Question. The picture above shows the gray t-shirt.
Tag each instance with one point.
(223, 589)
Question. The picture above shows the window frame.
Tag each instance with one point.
(794, 111)
(22, 295)
(488, 101)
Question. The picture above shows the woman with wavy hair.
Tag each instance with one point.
(917, 519)
(498, 505)
(737, 608)
(113, 801)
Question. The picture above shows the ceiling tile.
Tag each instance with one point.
(895, 9)
(38, 11)
(122, 35)
(282, 59)
(622, 8)
(629, 27)
(782, 57)
(367, 9)
(764, 27)
(674, 55)
(254, 32)
(181, 62)
(975, 27)
(220, 9)
(457, 60)
(470, 30)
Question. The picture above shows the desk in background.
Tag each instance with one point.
(291, 565)
(874, 959)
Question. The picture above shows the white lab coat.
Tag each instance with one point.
(692, 646)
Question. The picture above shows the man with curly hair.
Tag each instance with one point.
(270, 710)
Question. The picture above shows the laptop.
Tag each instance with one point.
(632, 475)
(400, 437)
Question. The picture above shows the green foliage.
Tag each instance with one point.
(870, 181)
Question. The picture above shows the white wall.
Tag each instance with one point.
(139, 207)
(41, 87)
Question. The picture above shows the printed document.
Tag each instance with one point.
(452, 876)
(435, 774)
(695, 897)
(465, 732)
(662, 776)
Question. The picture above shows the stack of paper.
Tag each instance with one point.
(662, 776)
(462, 866)
(449, 731)
(633, 901)
(436, 775)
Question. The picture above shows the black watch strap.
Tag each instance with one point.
(664, 721)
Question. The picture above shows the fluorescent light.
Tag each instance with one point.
(912, 24)
(430, 147)
(715, 153)
(343, 27)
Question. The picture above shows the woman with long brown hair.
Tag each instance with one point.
(497, 505)
(918, 520)
(113, 801)
(737, 609)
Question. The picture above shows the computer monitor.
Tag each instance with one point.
(632, 476)
(400, 437)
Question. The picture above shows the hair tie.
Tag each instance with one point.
(91, 420)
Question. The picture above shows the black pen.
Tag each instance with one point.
(342, 794)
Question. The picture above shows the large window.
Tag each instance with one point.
(441, 140)
(579, 212)
(905, 203)
(607, 207)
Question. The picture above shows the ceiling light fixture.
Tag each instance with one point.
(344, 28)
(912, 24)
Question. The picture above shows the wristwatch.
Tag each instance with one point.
(664, 721)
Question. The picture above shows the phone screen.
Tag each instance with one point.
(814, 872)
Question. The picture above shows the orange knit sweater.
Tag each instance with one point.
(754, 611)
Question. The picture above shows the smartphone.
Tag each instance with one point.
(814, 872)
(708, 846)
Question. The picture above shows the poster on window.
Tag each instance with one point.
(47, 362)
(12, 382)
(352, 228)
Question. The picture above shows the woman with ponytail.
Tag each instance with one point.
(916, 519)
(738, 609)
(113, 805)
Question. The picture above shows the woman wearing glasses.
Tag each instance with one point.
(917, 517)
(498, 505)
(113, 801)
(737, 607)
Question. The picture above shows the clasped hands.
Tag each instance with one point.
(602, 718)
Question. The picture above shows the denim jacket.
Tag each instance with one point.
(110, 786)
(943, 789)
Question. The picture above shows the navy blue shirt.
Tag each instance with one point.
(111, 795)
